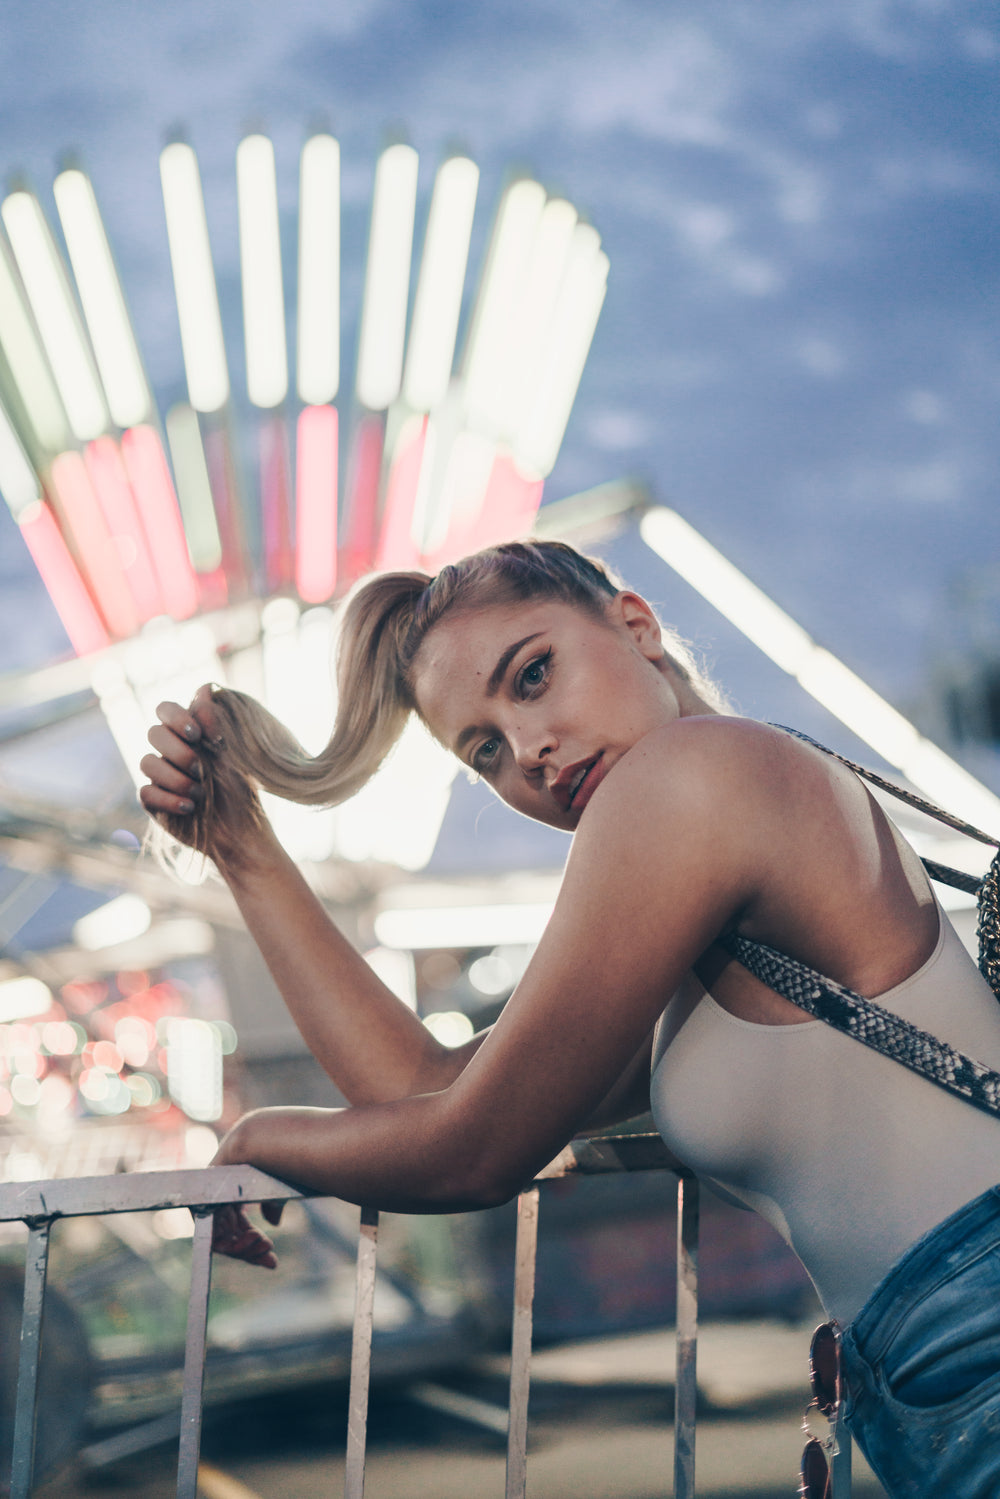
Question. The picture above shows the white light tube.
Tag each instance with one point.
(822, 675)
(488, 351)
(103, 300)
(18, 481)
(318, 342)
(387, 278)
(123, 918)
(438, 302)
(560, 361)
(532, 312)
(462, 926)
(194, 488)
(194, 279)
(28, 364)
(260, 263)
(47, 285)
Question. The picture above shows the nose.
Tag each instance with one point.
(531, 749)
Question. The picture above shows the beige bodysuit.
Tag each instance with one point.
(847, 1153)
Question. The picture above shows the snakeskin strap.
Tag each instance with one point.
(868, 1023)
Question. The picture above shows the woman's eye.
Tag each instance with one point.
(486, 754)
(534, 674)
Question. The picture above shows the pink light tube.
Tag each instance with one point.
(94, 543)
(396, 547)
(58, 571)
(316, 503)
(228, 513)
(362, 513)
(146, 466)
(508, 512)
(275, 505)
(107, 475)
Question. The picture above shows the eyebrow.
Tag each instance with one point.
(493, 685)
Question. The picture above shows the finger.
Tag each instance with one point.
(168, 778)
(230, 1222)
(169, 744)
(159, 803)
(180, 720)
(251, 1245)
(203, 712)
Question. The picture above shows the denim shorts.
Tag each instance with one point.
(922, 1363)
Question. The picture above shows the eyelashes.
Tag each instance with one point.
(484, 756)
(534, 675)
(530, 682)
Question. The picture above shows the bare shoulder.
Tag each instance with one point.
(707, 762)
(740, 794)
(691, 801)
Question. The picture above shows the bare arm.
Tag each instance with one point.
(372, 1046)
(651, 880)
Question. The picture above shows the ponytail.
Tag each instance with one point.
(254, 751)
(383, 624)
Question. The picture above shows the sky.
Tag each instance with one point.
(800, 203)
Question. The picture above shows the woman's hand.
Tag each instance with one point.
(175, 772)
(234, 1235)
(184, 793)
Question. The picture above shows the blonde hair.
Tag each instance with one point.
(384, 622)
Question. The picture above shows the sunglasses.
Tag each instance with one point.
(824, 1371)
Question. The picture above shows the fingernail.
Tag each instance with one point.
(196, 771)
(192, 731)
(185, 806)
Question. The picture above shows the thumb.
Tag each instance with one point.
(272, 1211)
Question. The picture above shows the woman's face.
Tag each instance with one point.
(542, 699)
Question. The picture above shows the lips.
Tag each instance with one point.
(574, 785)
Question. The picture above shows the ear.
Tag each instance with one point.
(638, 618)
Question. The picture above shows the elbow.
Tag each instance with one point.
(482, 1181)
(488, 1193)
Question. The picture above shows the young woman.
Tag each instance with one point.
(563, 692)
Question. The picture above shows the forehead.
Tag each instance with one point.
(452, 669)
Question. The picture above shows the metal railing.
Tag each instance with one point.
(40, 1204)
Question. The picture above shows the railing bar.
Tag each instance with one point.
(25, 1410)
(194, 1357)
(840, 1487)
(520, 1343)
(685, 1401)
(361, 1357)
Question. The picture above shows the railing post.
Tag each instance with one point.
(26, 1406)
(361, 1357)
(194, 1355)
(686, 1396)
(520, 1343)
